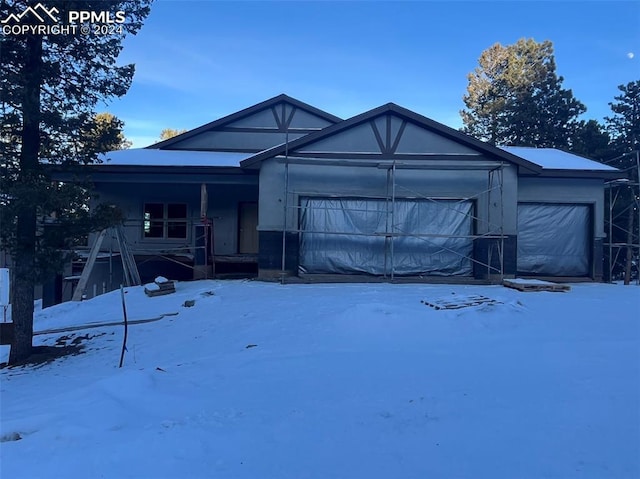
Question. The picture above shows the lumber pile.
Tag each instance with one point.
(527, 285)
(160, 287)
(460, 301)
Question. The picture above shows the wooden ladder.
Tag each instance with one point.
(129, 267)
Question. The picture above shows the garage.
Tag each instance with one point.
(379, 237)
(554, 239)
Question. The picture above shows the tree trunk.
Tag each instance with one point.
(24, 270)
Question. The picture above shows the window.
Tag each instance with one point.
(165, 220)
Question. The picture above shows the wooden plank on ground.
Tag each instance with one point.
(160, 288)
(535, 285)
(459, 302)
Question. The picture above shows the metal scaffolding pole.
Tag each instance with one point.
(631, 241)
(285, 207)
(393, 208)
(390, 196)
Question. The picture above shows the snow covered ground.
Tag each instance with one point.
(333, 381)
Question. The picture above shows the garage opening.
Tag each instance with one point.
(378, 236)
(554, 239)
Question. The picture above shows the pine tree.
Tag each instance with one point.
(515, 97)
(591, 139)
(624, 127)
(51, 86)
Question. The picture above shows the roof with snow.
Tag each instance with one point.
(553, 159)
(178, 158)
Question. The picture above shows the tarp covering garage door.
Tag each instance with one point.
(553, 239)
(341, 235)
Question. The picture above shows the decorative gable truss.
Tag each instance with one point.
(254, 129)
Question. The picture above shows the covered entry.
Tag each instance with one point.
(554, 239)
(380, 236)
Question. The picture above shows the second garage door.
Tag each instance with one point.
(347, 235)
(554, 239)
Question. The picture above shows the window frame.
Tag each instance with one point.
(165, 221)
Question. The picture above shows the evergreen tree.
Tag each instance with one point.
(591, 139)
(49, 90)
(515, 97)
(624, 127)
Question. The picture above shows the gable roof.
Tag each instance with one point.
(405, 114)
(239, 115)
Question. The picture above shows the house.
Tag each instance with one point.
(283, 189)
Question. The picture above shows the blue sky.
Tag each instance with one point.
(199, 60)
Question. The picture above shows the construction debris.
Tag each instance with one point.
(459, 302)
(160, 287)
(527, 285)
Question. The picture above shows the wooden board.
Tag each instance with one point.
(167, 287)
(536, 286)
(459, 302)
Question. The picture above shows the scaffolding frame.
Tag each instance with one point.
(613, 219)
(495, 185)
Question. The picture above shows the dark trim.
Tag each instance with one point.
(159, 174)
(382, 156)
(483, 248)
(598, 259)
(608, 175)
(387, 144)
(214, 125)
(289, 119)
(405, 114)
(220, 150)
(396, 142)
(284, 129)
(276, 116)
(376, 133)
(173, 170)
(270, 251)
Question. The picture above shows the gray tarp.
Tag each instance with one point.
(553, 239)
(365, 249)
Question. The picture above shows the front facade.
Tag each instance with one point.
(284, 189)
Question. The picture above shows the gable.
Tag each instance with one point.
(254, 129)
(387, 134)
(279, 117)
(241, 141)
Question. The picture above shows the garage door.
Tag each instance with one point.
(554, 239)
(344, 235)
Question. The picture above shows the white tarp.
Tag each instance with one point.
(553, 239)
(342, 235)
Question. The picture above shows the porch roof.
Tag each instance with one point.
(554, 159)
(177, 158)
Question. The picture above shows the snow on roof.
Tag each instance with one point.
(155, 157)
(552, 159)
(547, 158)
